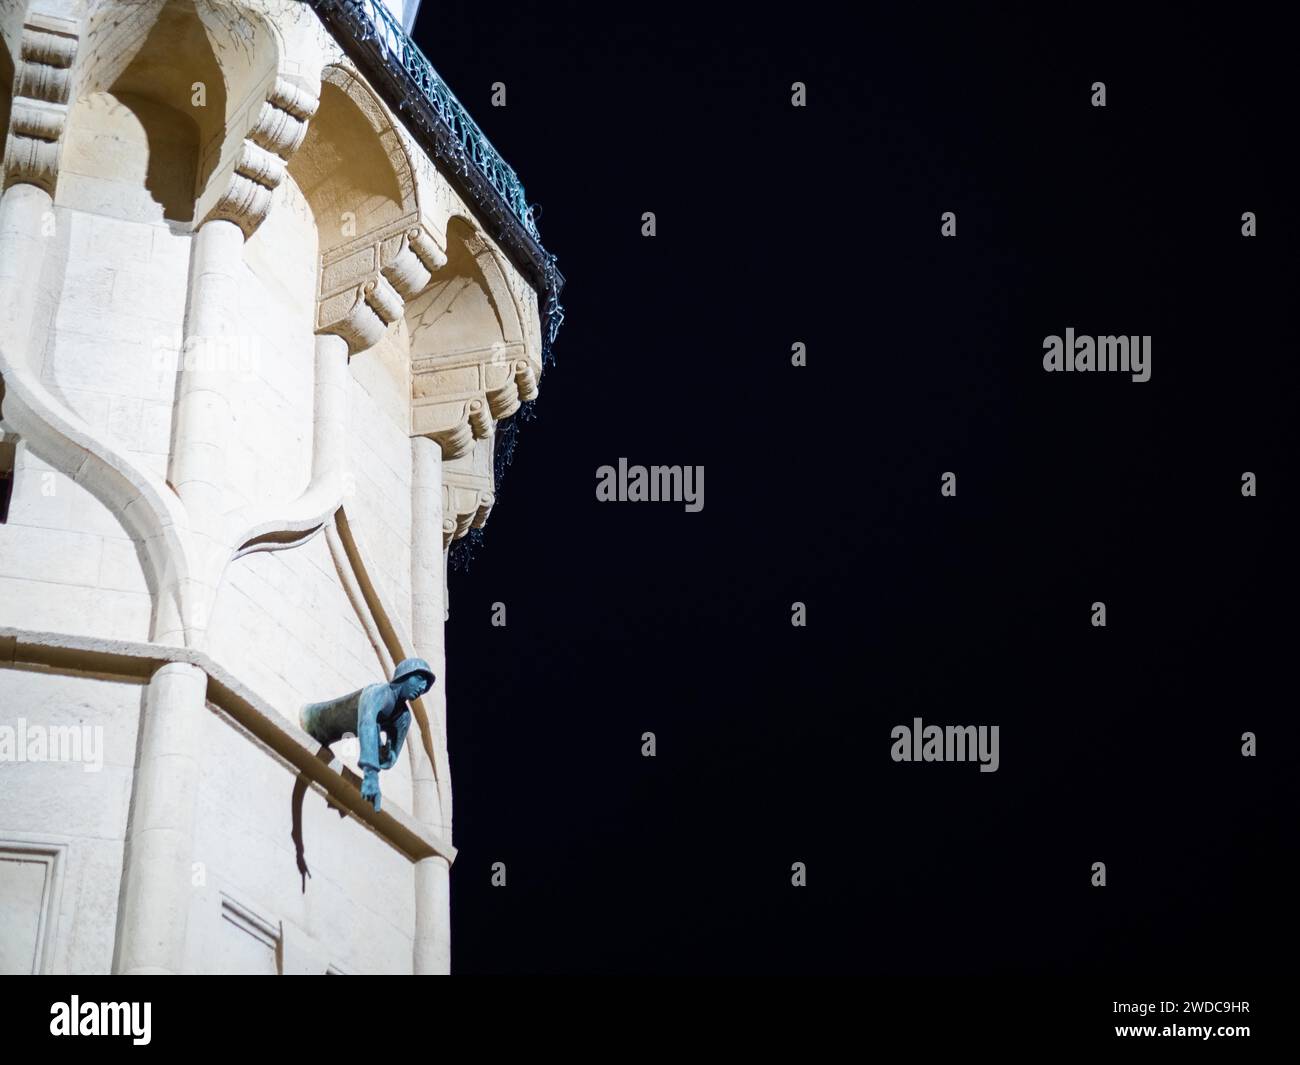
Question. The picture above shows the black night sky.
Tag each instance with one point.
(822, 225)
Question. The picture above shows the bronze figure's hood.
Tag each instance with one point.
(411, 666)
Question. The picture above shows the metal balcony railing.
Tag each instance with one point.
(400, 49)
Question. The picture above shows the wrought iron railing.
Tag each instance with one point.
(399, 48)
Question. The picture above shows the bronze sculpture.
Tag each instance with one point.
(373, 710)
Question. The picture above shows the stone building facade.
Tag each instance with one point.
(266, 297)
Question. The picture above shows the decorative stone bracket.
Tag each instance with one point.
(42, 85)
(364, 285)
(467, 491)
(458, 400)
(259, 162)
(458, 396)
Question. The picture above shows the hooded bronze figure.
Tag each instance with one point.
(378, 715)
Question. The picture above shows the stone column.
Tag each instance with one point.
(157, 877)
(158, 867)
(203, 412)
(22, 252)
(204, 422)
(330, 427)
(432, 917)
(241, 198)
(432, 796)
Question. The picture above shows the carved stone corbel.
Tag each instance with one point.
(362, 314)
(412, 262)
(281, 124)
(467, 380)
(467, 491)
(508, 384)
(42, 87)
(259, 162)
(457, 400)
(365, 284)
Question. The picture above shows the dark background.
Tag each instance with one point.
(821, 225)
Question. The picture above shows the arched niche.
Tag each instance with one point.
(151, 96)
(354, 186)
(470, 363)
(356, 177)
(466, 308)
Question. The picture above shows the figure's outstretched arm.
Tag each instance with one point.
(368, 733)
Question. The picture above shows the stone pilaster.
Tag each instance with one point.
(158, 869)
(431, 783)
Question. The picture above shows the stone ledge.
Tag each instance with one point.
(115, 659)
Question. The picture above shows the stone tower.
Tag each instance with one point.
(268, 298)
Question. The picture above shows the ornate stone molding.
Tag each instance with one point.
(281, 124)
(457, 400)
(467, 491)
(259, 163)
(42, 86)
(411, 87)
(361, 313)
(457, 397)
(365, 284)
(413, 262)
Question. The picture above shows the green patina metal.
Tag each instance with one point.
(406, 53)
(379, 715)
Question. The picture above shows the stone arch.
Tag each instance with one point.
(354, 171)
(471, 362)
(488, 263)
(264, 114)
(353, 163)
(150, 96)
(187, 99)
